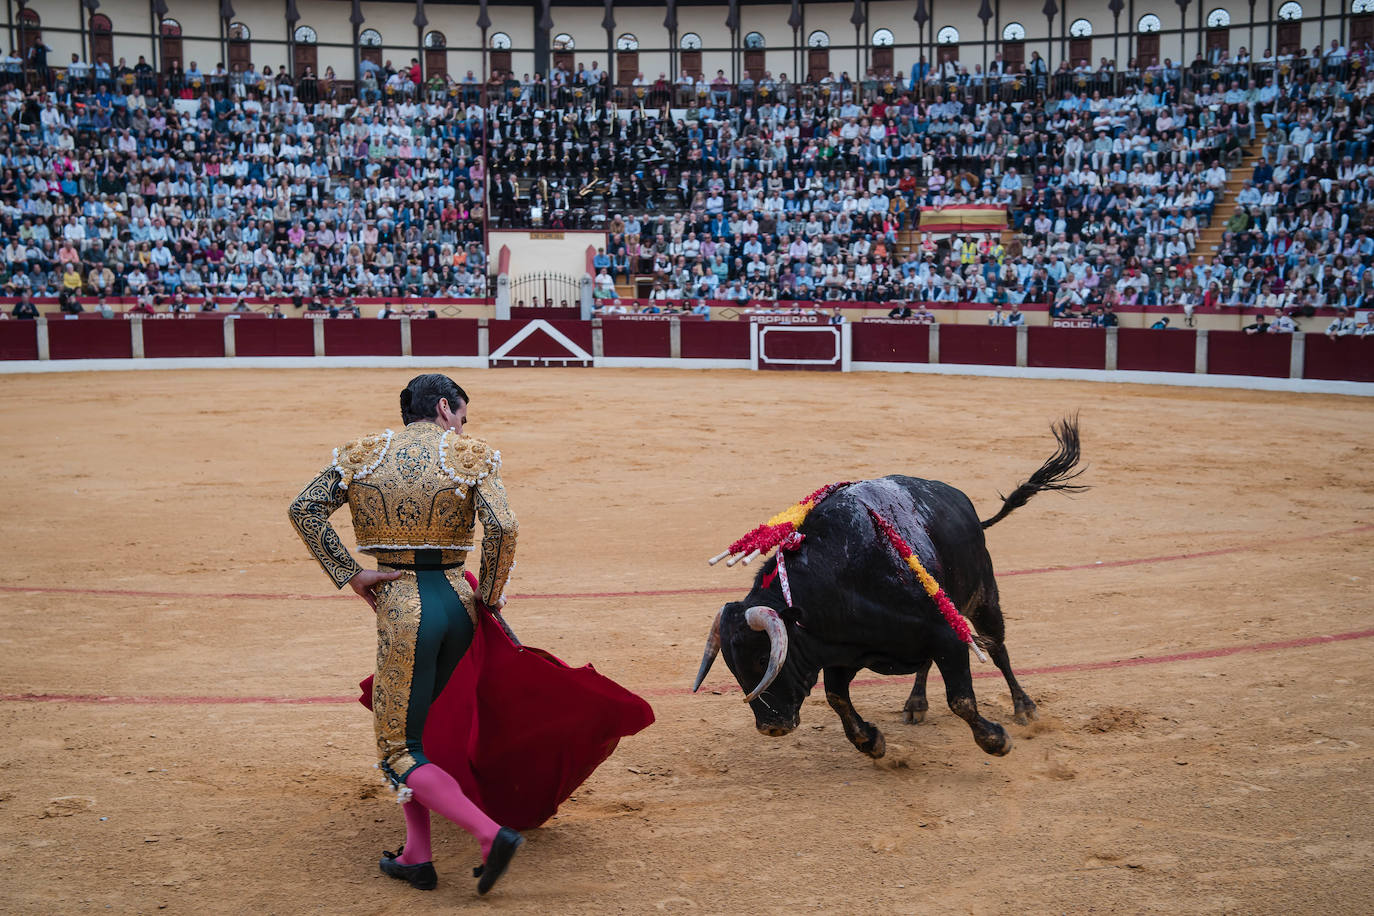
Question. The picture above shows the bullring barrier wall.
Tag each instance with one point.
(1181, 357)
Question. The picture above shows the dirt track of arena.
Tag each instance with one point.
(207, 756)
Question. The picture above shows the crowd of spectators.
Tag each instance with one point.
(237, 188)
(255, 185)
(785, 195)
(1302, 236)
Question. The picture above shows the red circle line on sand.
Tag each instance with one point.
(652, 593)
(1073, 667)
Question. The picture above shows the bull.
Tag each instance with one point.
(857, 605)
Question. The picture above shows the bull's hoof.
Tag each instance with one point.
(996, 742)
(914, 713)
(875, 745)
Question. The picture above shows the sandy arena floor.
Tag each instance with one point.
(155, 583)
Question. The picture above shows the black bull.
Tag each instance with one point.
(858, 605)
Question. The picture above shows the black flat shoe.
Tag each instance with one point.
(422, 877)
(498, 860)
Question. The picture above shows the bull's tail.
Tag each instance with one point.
(1055, 474)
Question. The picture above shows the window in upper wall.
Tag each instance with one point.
(754, 41)
(370, 38)
(949, 35)
(690, 42)
(818, 39)
(627, 42)
(499, 41)
(563, 42)
(1080, 28)
(1014, 31)
(1290, 11)
(305, 35)
(883, 38)
(1218, 19)
(239, 32)
(436, 41)
(171, 27)
(1149, 23)
(1362, 6)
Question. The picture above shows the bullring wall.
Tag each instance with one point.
(1229, 358)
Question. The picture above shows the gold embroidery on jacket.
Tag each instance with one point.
(423, 488)
(309, 514)
(499, 534)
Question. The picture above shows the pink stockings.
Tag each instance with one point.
(436, 790)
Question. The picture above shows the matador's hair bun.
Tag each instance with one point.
(420, 399)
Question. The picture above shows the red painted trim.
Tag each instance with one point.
(651, 593)
(1074, 667)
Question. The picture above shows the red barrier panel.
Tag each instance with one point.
(89, 340)
(183, 338)
(715, 340)
(637, 338)
(1066, 348)
(974, 345)
(444, 337)
(1142, 350)
(18, 340)
(891, 343)
(279, 337)
(1343, 359)
(362, 337)
(539, 340)
(1238, 353)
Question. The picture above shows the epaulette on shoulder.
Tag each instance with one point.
(467, 459)
(356, 459)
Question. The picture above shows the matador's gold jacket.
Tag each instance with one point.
(422, 488)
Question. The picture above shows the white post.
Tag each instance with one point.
(674, 336)
(503, 297)
(846, 346)
(406, 349)
(933, 350)
(136, 337)
(483, 338)
(585, 296)
(44, 345)
(1022, 346)
(754, 345)
(598, 339)
(319, 336)
(1200, 353)
(1297, 355)
(1111, 349)
(230, 340)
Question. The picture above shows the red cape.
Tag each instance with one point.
(535, 732)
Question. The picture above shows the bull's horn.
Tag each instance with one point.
(712, 650)
(767, 620)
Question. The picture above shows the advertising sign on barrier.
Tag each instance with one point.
(687, 317)
(788, 319)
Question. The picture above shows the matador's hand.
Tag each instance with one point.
(365, 580)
